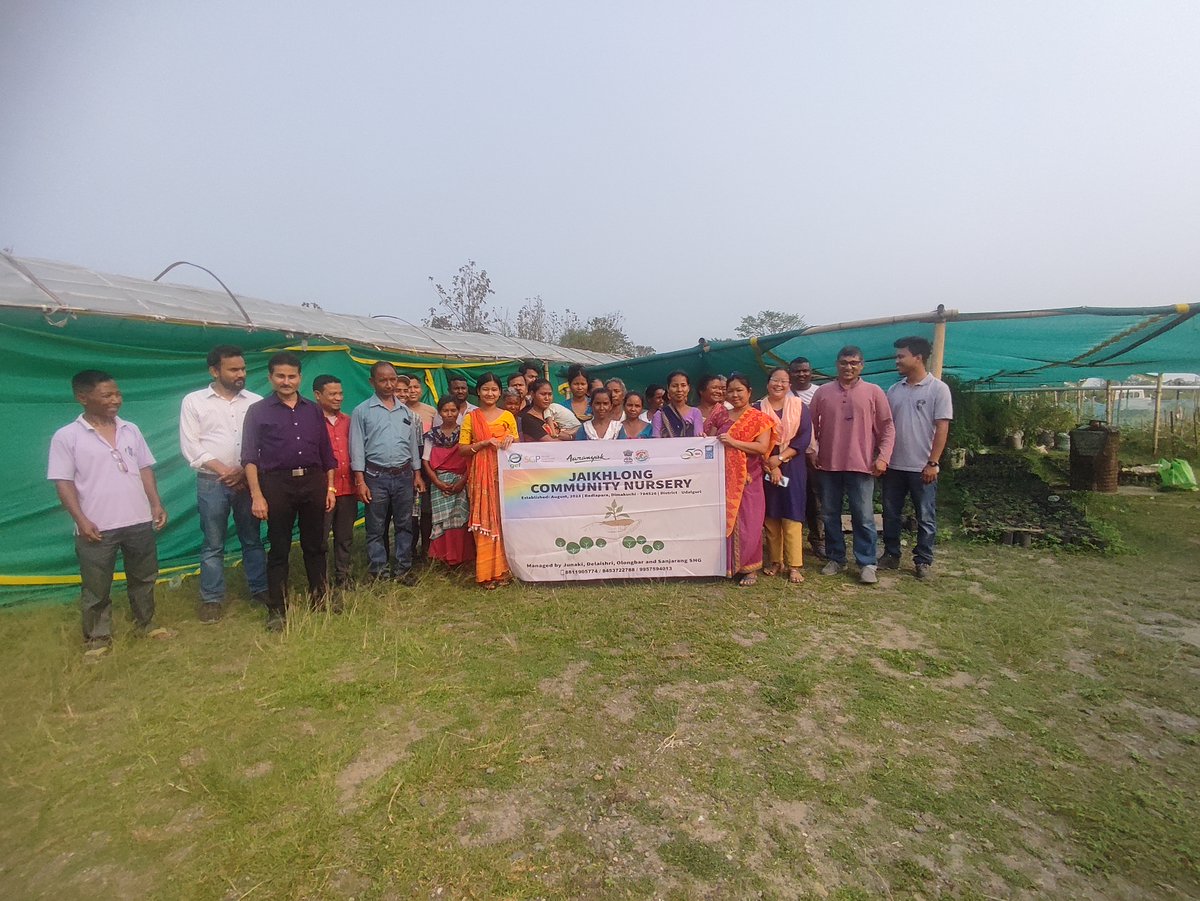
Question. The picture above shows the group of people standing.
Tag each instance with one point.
(428, 477)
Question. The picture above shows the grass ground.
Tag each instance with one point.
(1025, 725)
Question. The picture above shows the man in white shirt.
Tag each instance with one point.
(800, 374)
(210, 437)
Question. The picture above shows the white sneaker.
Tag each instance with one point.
(867, 575)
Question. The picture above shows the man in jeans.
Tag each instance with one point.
(922, 410)
(289, 467)
(210, 437)
(852, 424)
(103, 473)
(327, 391)
(385, 456)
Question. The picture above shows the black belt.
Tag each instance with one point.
(295, 473)
(388, 470)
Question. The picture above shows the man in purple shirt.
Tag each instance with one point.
(103, 472)
(852, 424)
(290, 467)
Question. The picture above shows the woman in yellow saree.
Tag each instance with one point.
(485, 431)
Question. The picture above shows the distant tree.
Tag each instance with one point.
(768, 322)
(536, 323)
(602, 334)
(464, 305)
(642, 350)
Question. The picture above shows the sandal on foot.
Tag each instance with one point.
(748, 580)
(772, 570)
(795, 576)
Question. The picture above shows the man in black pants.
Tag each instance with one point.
(800, 373)
(327, 391)
(289, 467)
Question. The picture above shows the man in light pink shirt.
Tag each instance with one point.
(853, 429)
(103, 472)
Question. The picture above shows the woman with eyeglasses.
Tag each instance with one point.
(750, 436)
(787, 476)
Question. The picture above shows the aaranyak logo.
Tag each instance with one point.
(589, 458)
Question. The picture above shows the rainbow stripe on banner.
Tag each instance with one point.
(614, 509)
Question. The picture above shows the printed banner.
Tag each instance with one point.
(614, 509)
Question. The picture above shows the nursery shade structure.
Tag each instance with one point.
(153, 337)
(994, 351)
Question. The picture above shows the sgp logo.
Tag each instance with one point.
(691, 453)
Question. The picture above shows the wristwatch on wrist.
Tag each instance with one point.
(935, 464)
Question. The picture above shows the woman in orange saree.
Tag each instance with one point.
(749, 439)
(485, 431)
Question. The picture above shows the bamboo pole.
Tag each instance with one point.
(939, 347)
(1157, 410)
(1108, 401)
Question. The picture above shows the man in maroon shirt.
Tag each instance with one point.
(327, 390)
(289, 467)
(854, 433)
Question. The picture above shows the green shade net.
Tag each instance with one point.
(155, 365)
(1050, 349)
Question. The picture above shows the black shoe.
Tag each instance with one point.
(211, 612)
(889, 561)
(819, 552)
(923, 571)
(276, 619)
(407, 578)
(260, 597)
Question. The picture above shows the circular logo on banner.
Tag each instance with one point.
(642, 456)
(514, 459)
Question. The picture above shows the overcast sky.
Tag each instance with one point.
(682, 163)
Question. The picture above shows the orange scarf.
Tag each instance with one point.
(747, 427)
(483, 485)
